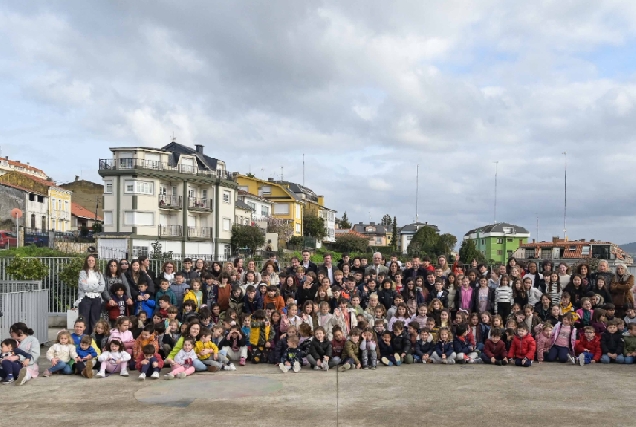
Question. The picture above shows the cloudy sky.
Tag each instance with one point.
(365, 91)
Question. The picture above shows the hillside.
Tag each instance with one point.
(86, 194)
(630, 248)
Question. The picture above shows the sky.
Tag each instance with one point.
(366, 90)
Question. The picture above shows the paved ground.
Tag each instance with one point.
(543, 395)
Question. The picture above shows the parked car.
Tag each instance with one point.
(8, 239)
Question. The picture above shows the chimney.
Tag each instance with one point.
(555, 239)
(76, 178)
(360, 223)
(533, 241)
(199, 148)
(373, 223)
(270, 179)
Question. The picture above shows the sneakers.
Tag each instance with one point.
(7, 380)
(142, 376)
(385, 361)
(582, 359)
(169, 376)
(124, 373)
(46, 373)
(317, 368)
(365, 367)
(101, 374)
(242, 361)
(181, 375)
(155, 375)
(424, 362)
(325, 366)
(344, 367)
(498, 362)
(571, 359)
(373, 368)
(296, 366)
(283, 368)
(230, 367)
(23, 377)
(212, 369)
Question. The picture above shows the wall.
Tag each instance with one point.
(11, 198)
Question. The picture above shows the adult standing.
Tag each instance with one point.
(443, 264)
(621, 290)
(167, 272)
(188, 271)
(144, 263)
(30, 344)
(123, 265)
(269, 269)
(415, 270)
(251, 268)
(327, 267)
(307, 264)
(199, 267)
(90, 286)
(114, 276)
(535, 276)
(215, 270)
(603, 271)
(134, 276)
(238, 266)
(377, 267)
(564, 277)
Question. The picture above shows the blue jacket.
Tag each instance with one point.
(386, 350)
(424, 347)
(83, 353)
(147, 305)
(444, 347)
(250, 307)
(461, 346)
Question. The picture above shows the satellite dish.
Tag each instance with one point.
(16, 213)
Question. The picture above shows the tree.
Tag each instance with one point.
(386, 220)
(283, 227)
(27, 269)
(349, 242)
(344, 222)
(394, 239)
(428, 242)
(468, 252)
(246, 236)
(314, 226)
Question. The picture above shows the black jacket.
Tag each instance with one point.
(386, 297)
(143, 277)
(189, 275)
(401, 343)
(424, 347)
(413, 273)
(304, 294)
(612, 343)
(318, 349)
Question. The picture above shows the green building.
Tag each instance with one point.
(498, 241)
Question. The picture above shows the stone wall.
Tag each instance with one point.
(10, 198)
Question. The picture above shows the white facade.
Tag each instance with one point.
(37, 212)
(262, 208)
(329, 216)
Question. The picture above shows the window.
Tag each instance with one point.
(252, 205)
(585, 250)
(227, 224)
(508, 230)
(108, 218)
(572, 248)
(204, 194)
(509, 240)
(139, 219)
(370, 229)
(139, 187)
(297, 228)
(40, 199)
(297, 211)
(281, 209)
(483, 241)
(500, 252)
(226, 196)
(163, 190)
(409, 238)
(125, 160)
(264, 210)
(499, 241)
(378, 240)
(266, 189)
(108, 187)
(243, 188)
(139, 251)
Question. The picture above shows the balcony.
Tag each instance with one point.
(130, 164)
(196, 204)
(200, 232)
(169, 202)
(170, 231)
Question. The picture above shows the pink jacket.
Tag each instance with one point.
(544, 344)
(555, 334)
(124, 337)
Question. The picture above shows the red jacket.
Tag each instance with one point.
(495, 350)
(593, 346)
(140, 357)
(522, 347)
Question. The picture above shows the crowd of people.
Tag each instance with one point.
(350, 314)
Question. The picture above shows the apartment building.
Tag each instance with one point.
(7, 165)
(261, 208)
(498, 241)
(176, 195)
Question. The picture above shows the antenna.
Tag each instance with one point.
(417, 191)
(565, 195)
(496, 173)
(537, 227)
(174, 138)
(303, 169)
(281, 173)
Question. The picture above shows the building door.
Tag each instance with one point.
(43, 224)
(32, 221)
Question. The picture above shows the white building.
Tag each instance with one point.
(175, 195)
(261, 208)
(408, 231)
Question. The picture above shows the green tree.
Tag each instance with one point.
(445, 244)
(394, 238)
(468, 252)
(344, 222)
(386, 220)
(21, 268)
(314, 226)
(349, 242)
(69, 275)
(427, 241)
(246, 236)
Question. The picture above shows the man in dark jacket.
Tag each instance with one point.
(188, 272)
(414, 271)
(307, 264)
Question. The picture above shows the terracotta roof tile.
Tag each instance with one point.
(82, 212)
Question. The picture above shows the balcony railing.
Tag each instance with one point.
(128, 164)
(169, 202)
(170, 230)
(202, 204)
(200, 232)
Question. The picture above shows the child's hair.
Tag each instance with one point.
(386, 333)
(80, 320)
(270, 306)
(64, 333)
(355, 332)
(444, 329)
(609, 306)
(425, 329)
(160, 328)
(258, 315)
(629, 327)
(172, 310)
(105, 326)
(10, 342)
(568, 316)
(398, 325)
(205, 312)
(304, 330)
(335, 329)
(598, 313)
(117, 287)
(190, 303)
(529, 307)
(165, 298)
(148, 349)
(460, 330)
(190, 340)
(86, 339)
(522, 325)
(195, 280)
(318, 329)
(162, 281)
(548, 325)
(293, 340)
(120, 346)
(495, 332)
(591, 328)
(149, 328)
(613, 322)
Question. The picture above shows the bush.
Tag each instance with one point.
(69, 274)
(21, 268)
(32, 251)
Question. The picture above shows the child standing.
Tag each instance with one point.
(368, 348)
(495, 349)
(588, 348)
(115, 360)
(60, 355)
(503, 297)
(523, 347)
(144, 302)
(183, 361)
(149, 363)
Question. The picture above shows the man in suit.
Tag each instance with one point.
(327, 267)
(307, 264)
(377, 265)
(414, 271)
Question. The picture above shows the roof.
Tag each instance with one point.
(497, 228)
(206, 162)
(253, 196)
(360, 228)
(300, 189)
(82, 212)
(15, 163)
(240, 204)
(412, 228)
(577, 245)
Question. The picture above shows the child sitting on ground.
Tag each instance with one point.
(495, 349)
(235, 347)
(208, 352)
(85, 355)
(368, 348)
(351, 351)
(12, 370)
(388, 354)
(588, 347)
(183, 361)
(320, 351)
(444, 348)
(543, 340)
(464, 351)
(114, 360)
(147, 337)
(261, 337)
(149, 363)
(122, 334)
(424, 347)
(291, 356)
(401, 343)
(523, 347)
(612, 344)
(60, 355)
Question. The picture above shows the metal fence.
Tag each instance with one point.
(24, 302)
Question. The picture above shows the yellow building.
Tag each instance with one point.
(286, 205)
(59, 209)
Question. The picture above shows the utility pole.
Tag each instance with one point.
(565, 197)
(537, 227)
(303, 169)
(417, 192)
(496, 172)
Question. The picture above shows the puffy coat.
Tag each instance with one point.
(522, 347)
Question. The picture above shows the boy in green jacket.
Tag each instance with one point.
(351, 351)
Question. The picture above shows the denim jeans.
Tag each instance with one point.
(606, 359)
(61, 366)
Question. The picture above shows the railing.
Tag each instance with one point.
(24, 302)
(171, 230)
(203, 204)
(128, 163)
(200, 232)
(169, 202)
